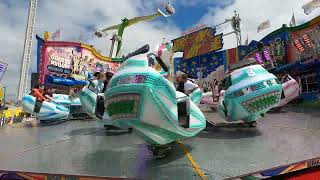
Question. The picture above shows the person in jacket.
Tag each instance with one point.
(188, 86)
(38, 93)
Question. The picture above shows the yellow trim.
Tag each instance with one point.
(191, 160)
(95, 53)
(314, 21)
(29, 177)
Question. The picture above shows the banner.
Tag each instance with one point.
(194, 29)
(1, 95)
(232, 56)
(198, 43)
(71, 63)
(3, 68)
(200, 66)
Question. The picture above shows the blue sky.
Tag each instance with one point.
(74, 17)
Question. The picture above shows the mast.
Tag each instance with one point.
(25, 65)
(235, 23)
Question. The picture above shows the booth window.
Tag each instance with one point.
(309, 83)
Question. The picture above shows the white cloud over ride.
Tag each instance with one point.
(253, 13)
(76, 16)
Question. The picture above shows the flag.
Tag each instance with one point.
(310, 6)
(264, 26)
(247, 41)
(293, 21)
(56, 34)
(3, 67)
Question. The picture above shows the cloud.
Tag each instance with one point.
(252, 13)
(216, 3)
(76, 16)
(73, 17)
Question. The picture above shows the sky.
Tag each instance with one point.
(74, 17)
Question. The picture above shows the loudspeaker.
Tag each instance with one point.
(35, 79)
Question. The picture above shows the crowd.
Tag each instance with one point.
(98, 85)
(9, 115)
(100, 81)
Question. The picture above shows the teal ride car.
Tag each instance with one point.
(138, 97)
(250, 92)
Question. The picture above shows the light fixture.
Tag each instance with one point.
(258, 58)
(266, 54)
(298, 45)
(307, 40)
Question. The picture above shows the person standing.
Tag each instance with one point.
(47, 92)
(98, 84)
(38, 93)
(188, 85)
(107, 79)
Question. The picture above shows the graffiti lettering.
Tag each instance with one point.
(313, 163)
(57, 69)
(198, 43)
(60, 62)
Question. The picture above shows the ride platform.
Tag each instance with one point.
(85, 148)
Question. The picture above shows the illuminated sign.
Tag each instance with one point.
(198, 43)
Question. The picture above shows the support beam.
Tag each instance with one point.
(25, 65)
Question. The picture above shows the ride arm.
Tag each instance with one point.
(111, 28)
(48, 98)
(141, 50)
(143, 18)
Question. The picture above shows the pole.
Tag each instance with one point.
(112, 45)
(4, 95)
(25, 64)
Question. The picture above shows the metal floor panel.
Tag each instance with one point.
(84, 148)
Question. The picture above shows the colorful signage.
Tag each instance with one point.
(72, 62)
(3, 67)
(1, 95)
(43, 176)
(193, 29)
(198, 43)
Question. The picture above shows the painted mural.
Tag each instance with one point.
(201, 66)
(198, 43)
(288, 45)
(283, 46)
(71, 63)
(76, 62)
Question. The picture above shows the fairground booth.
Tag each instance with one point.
(68, 65)
(287, 50)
